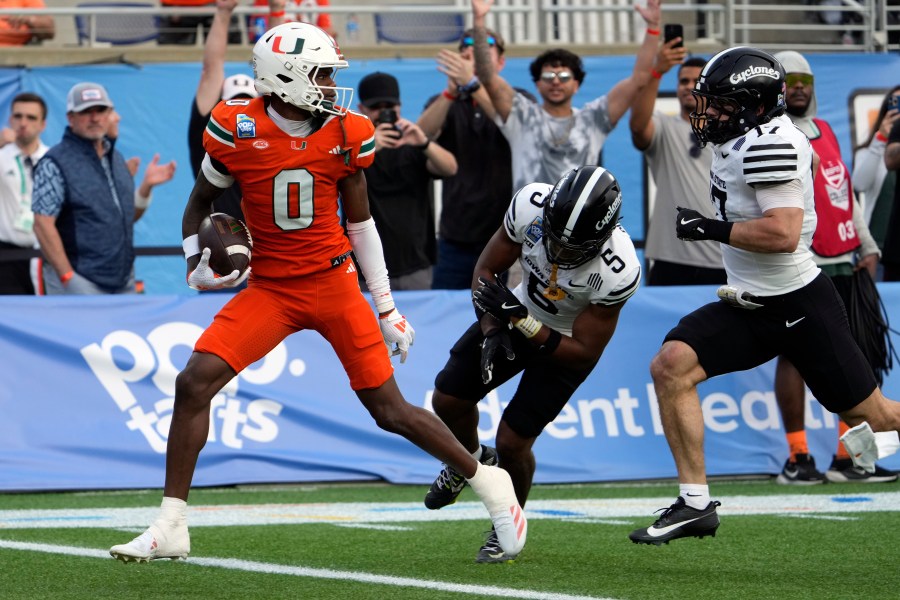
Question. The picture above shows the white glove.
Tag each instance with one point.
(398, 334)
(866, 446)
(203, 278)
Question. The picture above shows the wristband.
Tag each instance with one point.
(277, 14)
(651, 31)
(718, 231)
(191, 245)
(552, 343)
(424, 146)
(65, 277)
(142, 202)
(880, 137)
(529, 326)
(655, 74)
(448, 95)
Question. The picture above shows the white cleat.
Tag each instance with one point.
(494, 486)
(158, 541)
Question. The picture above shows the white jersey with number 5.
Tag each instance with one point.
(610, 278)
(774, 153)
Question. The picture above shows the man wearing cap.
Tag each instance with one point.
(212, 88)
(85, 202)
(399, 184)
(461, 119)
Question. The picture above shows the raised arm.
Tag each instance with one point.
(497, 88)
(621, 96)
(212, 74)
(641, 122)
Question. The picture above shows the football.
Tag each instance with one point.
(228, 241)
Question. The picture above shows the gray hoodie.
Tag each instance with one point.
(794, 62)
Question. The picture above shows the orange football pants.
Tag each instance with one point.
(259, 317)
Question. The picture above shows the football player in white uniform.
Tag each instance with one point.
(777, 301)
(579, 267)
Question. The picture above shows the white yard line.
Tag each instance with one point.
(482, 591)
(373, 514)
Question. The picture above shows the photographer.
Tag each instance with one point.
(400, 184)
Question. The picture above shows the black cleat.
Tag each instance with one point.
(801, 471)
(843, 471)
(678, 521)
(449, 483)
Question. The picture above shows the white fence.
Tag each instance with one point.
(852, 25)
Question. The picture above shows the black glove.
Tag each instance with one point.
(690, 225)
(498, 301)
(497, 339)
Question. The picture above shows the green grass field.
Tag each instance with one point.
(846, 548)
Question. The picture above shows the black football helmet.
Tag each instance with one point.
(746, 84)
(580, 216)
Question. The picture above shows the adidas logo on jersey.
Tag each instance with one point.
(336, 150)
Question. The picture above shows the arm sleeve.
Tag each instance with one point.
(366, 245)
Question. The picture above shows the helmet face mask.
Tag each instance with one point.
(744, 87)
(580, 215)
(298, 63)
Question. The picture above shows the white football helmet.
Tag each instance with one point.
(286, 61)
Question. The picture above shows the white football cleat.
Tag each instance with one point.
(494, 486)
(161, 540)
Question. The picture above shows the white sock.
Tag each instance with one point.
(173, 509)
(477, 454)
(695, 495)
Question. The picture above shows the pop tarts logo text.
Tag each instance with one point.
(124, 363)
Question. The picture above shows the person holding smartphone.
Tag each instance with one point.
(680, 169)
(399, 184)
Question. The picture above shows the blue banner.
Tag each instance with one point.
(89, 385)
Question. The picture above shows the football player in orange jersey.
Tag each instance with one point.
(293, 150)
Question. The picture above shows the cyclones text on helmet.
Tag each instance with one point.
(744, 87)
(298, 62)
(580, 216)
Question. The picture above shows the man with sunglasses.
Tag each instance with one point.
(461, 119)
(552, 137)
(841, 245)
(680, 169)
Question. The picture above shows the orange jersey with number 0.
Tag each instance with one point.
(289, 184)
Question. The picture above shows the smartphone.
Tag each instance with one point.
(672, 31)
(387, 115)
(893, 102)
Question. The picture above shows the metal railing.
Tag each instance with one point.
(866, 25)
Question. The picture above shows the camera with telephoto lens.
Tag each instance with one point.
(387, 115)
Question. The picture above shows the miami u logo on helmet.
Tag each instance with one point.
(276, 46)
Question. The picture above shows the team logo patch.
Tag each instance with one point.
(261, 144)
(535, 230)
(246, 127)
